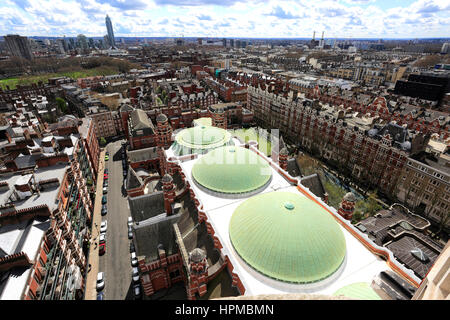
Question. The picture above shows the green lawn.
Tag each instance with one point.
(250, 134)
(13, 82)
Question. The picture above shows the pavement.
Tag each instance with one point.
(91, 279)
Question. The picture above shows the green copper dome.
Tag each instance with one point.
(200, 139)
(358, 290)
(232, 170)
(288, 237)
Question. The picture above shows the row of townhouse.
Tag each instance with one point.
(45, 217)
(374, 156)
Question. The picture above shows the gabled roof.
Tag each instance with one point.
(133, 180)
(293, 168)
(126, 108)
(146, 206)
(140, 120)
(314, 184)
(148, 237)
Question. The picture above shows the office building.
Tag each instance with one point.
(109, 28)
(19, 46)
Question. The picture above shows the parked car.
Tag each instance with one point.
(104, 210)
(106, 170)
(101, 249)
(105, 183)
(124, 173)
(101, 295)
(104, 200)
(130, 234)
(105, 176)
(106, 158)
(135, 274)
(137, 291)
(105, 190)
(130, 222)
(134, 261)
(100, 281)
(103, 226)
(132, 249)
(102, 238)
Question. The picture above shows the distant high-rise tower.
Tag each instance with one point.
(19, 46)
(109, 28)
(82, 42)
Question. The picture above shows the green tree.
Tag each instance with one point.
(62, 105)
(102, 141)
(372, 204)
(357, 216)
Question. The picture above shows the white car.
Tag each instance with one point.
(130, 221)
(103, 226)
(137, 291)
(100, 281)
(102, 238)
(135, 275)
(134, 261)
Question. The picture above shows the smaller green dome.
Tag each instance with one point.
(200, 139)
(232, 170)
(358, 290)
(202, 135)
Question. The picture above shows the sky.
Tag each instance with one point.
(228, 18)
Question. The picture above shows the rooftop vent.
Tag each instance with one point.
(420, 255)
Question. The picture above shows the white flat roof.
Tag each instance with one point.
(13, 237)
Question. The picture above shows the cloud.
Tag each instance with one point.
(189, 3)
(332, 12)
(204, 17)
(269, 18)
(125, 4)
(280, 13)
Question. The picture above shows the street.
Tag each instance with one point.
(116, 261)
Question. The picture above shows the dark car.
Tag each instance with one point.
(101, 296)
(104, 200)
(104, 210)
(132, 249)
(106, 170)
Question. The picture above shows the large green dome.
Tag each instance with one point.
(287, 237)
(200, 139)
(232, 170)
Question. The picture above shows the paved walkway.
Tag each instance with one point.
(91, 280)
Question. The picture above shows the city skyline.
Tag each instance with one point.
(245, 19)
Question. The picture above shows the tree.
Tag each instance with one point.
(102, 141)
(357, 216)
(62, 105)
(372, 205)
